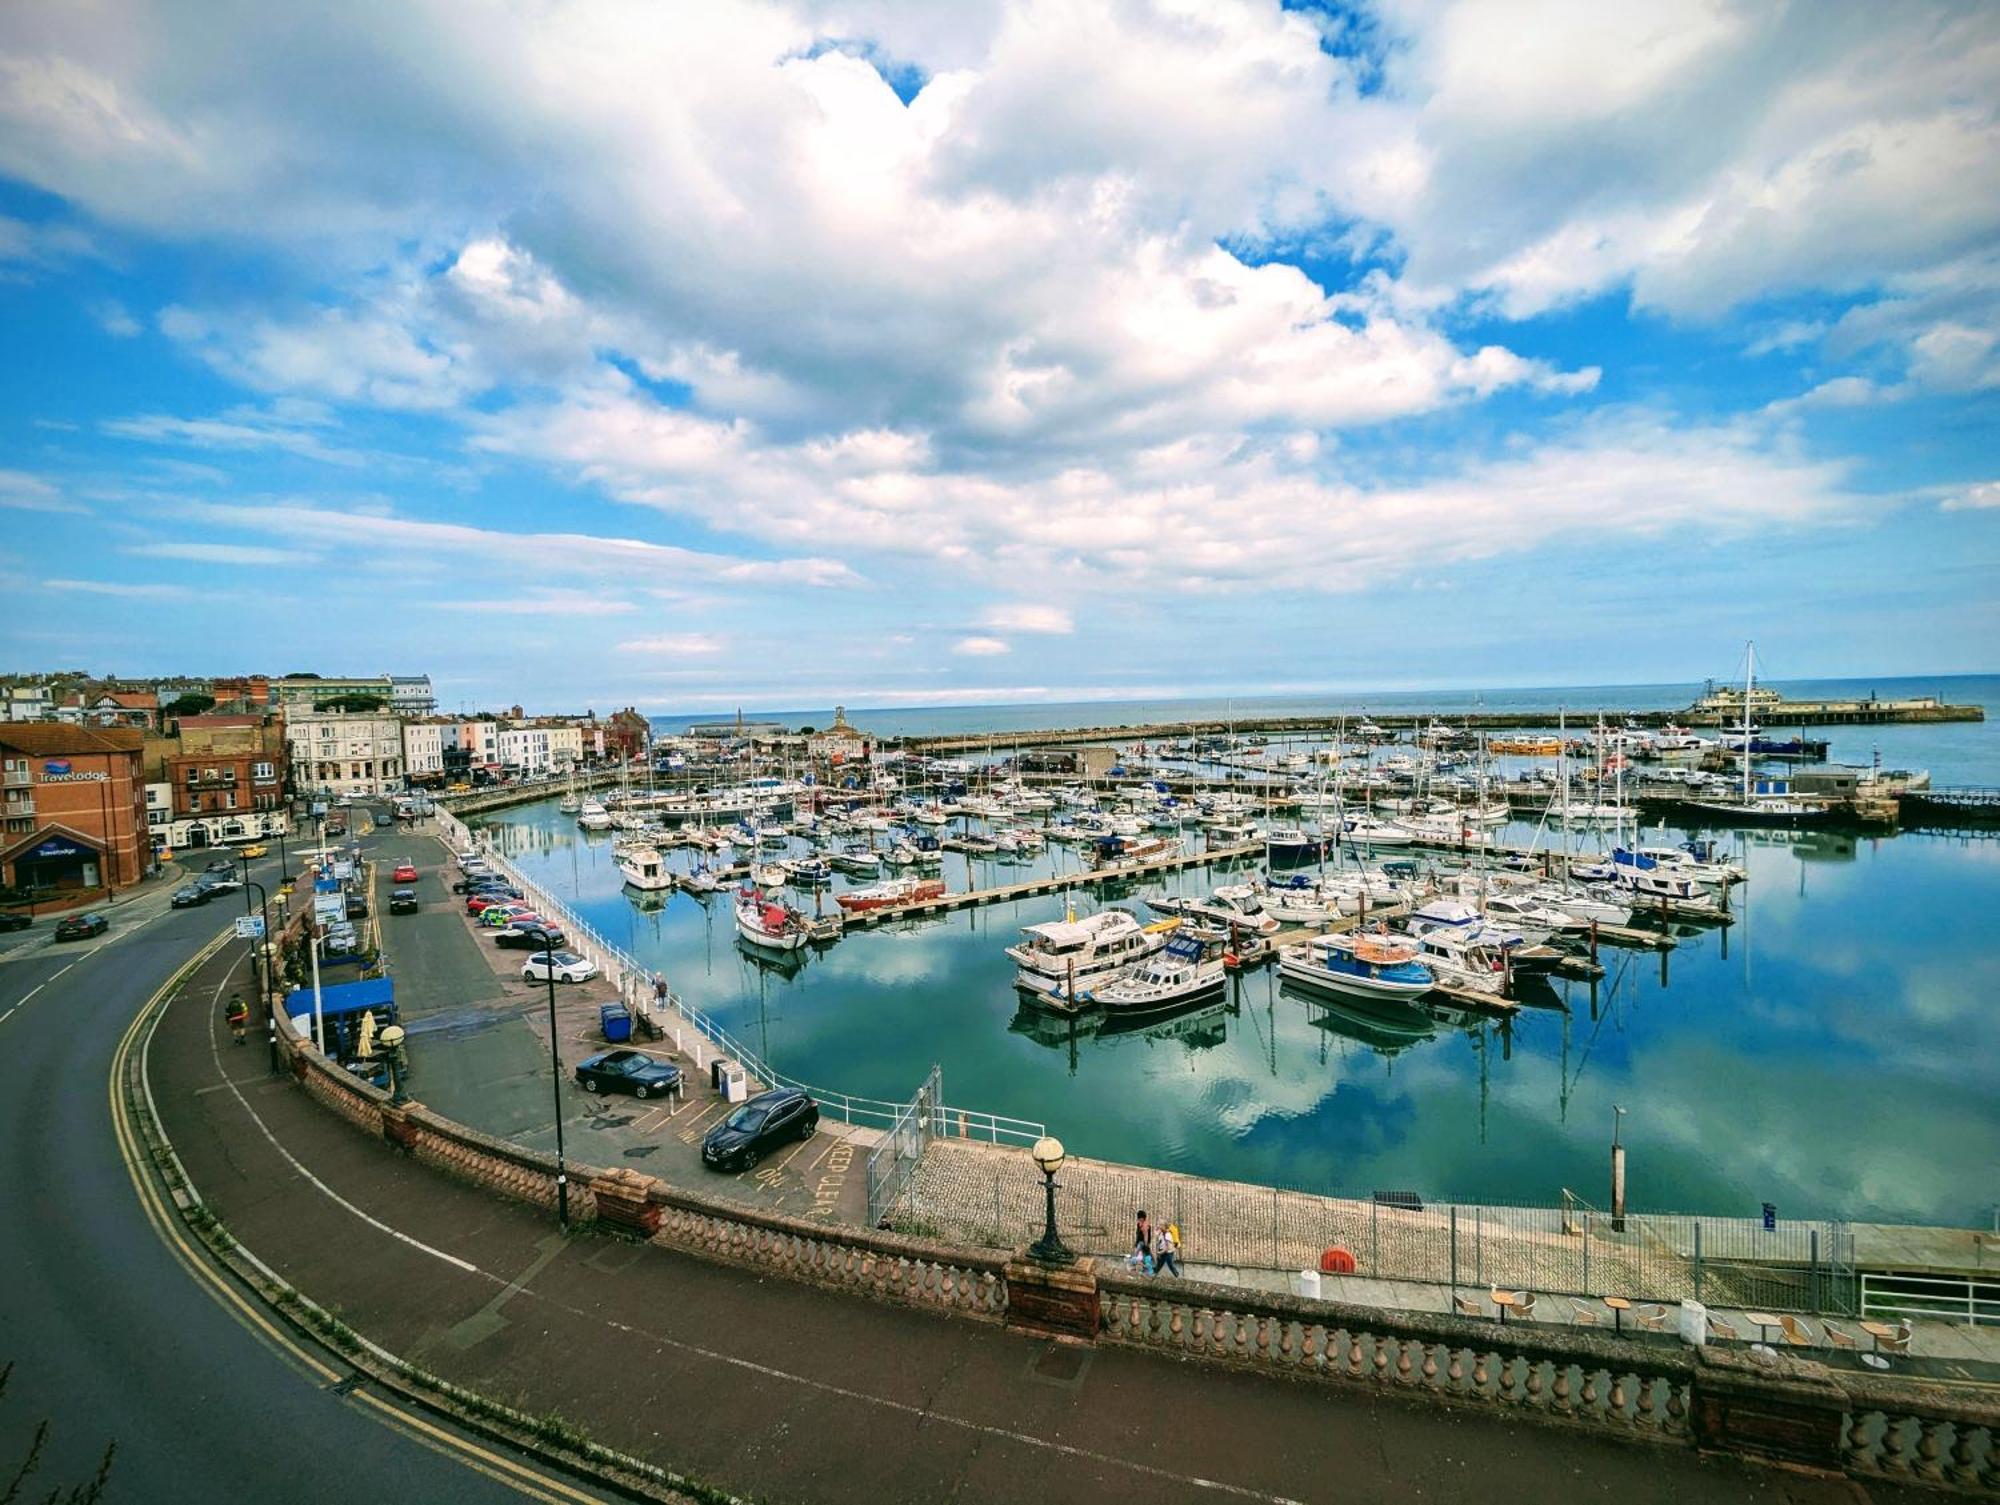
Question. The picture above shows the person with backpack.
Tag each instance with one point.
(238, 1015)
(1165, 1242)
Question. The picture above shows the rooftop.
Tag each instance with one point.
(40, 738)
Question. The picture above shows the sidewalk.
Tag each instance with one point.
(787, 1392)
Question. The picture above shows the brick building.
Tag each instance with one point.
(73, 814)
(227, 763)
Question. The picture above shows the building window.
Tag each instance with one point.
(229, 800)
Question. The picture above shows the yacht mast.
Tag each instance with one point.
(1749, 680)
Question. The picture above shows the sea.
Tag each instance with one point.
(1835, 1052)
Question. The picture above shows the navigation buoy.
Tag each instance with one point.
(1336, 1261)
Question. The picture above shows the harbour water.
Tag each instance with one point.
(1835, 1052)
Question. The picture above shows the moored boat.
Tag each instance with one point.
(1053, 955)
(764, 922)
(644, 868)
(894, 892)
(1368, 965)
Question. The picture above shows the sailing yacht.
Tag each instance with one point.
(1762, 801)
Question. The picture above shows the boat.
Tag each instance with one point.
(1367, 831)
(764, 922)
(890, 894)
(1184, 969)
(592, 816)
(1698, 860)
(1235, 907)
(1126, 851)
(1530, 747)
(1295, 844)
(1051, 956)
(1469, 957)
(644, 868)
(861, 861)
(702, 880)
(1368, 965)
(768, 874)
(808, 872)
(1654, 892)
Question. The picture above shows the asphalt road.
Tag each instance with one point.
(111, 1339)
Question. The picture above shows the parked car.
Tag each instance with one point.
(255, 849)
(406, 872)
(530, 935)
(13, 919)
(768, 1120)
(191, 898)
(403, 901)
(566, 966)
(485, 899)
(630, 1071)
(357, 907)
(78, 927)
(509, 913)
(220, 883)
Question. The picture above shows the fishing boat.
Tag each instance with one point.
(890, 894)
(644, 868)
(1368, 965)
(767, 923)
(1052, 955)
(1186, 968)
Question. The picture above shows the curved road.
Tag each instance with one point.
(110, 1338)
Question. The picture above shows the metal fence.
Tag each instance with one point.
(1570, 1249)
(894, 1161)
(1971, 1300)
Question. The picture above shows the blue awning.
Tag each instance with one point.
(341, 998)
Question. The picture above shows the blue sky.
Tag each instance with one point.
(780, 355)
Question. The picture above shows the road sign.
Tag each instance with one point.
(250, 927)
(329, 907)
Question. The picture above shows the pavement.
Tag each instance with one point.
(786, 1392)
(110, 1339)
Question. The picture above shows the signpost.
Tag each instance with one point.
(250, 927)
(329, 908)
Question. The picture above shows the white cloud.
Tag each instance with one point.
(114, 320)
(1022, 616)
(131, 592)
(541, 602)
(1978, 497)
(291, 428)
(221, 553)
(981, 647)
(677, 645)
(22, 492)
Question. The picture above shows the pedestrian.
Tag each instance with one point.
(1142, 1244)
(238, 1015)
(1165, 1243)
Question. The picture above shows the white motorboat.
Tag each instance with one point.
(1599, 903)
(1368, 831)
(644, 868)
(592, 816)
(766, 923)
(1051, 955)
(1235, 907)
(1368, 965)
(861, 861)
(768, 874)
(1654, 892)
(1186, 968)
(1465, 956)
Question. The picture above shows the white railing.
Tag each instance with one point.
(1971, 1300)
(635, 980)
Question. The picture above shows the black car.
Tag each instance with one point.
(14, 920)
(630, 1071)
(403, 901)
(191, 898)
(530, 938)
(357, 907)
(768, 1120)
(80, 927)
(219, 883)
(221, 865)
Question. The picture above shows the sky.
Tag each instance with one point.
(904, 354)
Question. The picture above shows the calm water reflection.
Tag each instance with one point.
(1836, 1052)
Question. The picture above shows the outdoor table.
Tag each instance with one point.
(1765, 1322)
(1876, 1331)
(1503, 1300)
(1619, 1306)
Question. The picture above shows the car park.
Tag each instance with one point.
(530, 935)
(191, 898)
(13, 919)
(78, 927)
(403, 901)
(406, 872)
(564, 966)
(768, 1120)
(630, 1071)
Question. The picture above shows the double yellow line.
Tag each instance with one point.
(168, 1225)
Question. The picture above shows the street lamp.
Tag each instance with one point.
(555, 1084)
(397, 1059)
(1049, 1248)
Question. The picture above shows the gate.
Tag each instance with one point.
(894, 1161)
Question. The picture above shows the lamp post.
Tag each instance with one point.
(1049, 1249)
(1617, 1169)
(397, 1058)
(555, 1085)
(284, 859)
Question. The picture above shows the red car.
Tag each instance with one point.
(479, 902)
(406, 872)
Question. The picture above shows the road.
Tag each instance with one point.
(110, 1337)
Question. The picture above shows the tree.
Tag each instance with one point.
(187, 705)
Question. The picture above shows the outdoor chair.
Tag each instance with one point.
(1901, 1342)
(1796, 1332)
(1466, 1307)
(1717, 1328)
(1583, 1316)
(1525, 1307)
(1652, 1318)
(1835, 1338)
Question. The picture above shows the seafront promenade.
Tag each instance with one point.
(792, 1389)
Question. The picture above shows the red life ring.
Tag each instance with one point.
(1336, 1261)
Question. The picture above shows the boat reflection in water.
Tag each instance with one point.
(784, 964)
(1388, 1027)
(1199, 1024)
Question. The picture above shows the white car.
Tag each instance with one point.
(566, 965)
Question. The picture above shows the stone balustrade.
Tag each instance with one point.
(1904, 1429)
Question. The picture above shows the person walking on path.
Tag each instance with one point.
(238, 1015)
(1142, 1245)
(1164, 1245)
